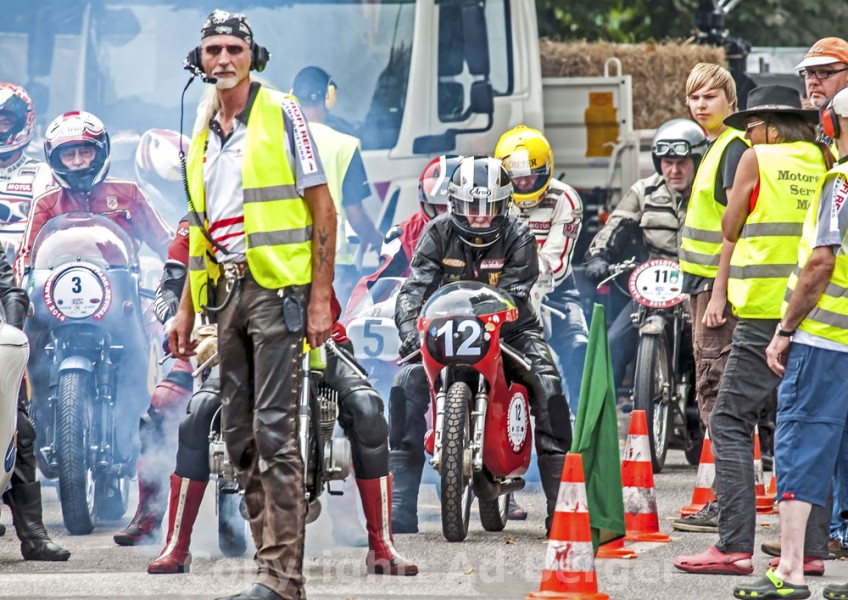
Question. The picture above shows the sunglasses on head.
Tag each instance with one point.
(232, 49)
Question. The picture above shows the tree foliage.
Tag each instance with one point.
(761, 22)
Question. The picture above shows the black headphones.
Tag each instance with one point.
(259, 57)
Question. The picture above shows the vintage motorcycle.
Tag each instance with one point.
(481, 443)
(86, 324)
(664, 376)
(325, 458)
(14, 350)
(371, 328)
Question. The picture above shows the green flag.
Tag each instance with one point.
(596, 437)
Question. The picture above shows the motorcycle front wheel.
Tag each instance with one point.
(76, 486)
(456, 463)
(232, 540)
(651, 388)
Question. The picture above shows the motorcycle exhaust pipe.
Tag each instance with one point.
(487, 489)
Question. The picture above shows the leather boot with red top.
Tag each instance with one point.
(186, 496)
(383, 558)
(144, 527)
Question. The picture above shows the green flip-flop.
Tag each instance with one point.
(771, 587)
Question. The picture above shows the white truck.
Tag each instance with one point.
(415, 78)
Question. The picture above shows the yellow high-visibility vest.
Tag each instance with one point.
(701, 237)
(767, 250)
(336, 150)
(829, 318)
(277, 222)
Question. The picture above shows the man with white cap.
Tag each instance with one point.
(824, 69)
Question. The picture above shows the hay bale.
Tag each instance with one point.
(659, 71)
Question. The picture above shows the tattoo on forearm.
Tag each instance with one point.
(323, 237)
(323, 258)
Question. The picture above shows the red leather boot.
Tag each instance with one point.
(144, 527)
(383, 558)
(186, 496)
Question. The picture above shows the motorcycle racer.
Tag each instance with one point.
(19, 174)
(77, 150)
(477, 240)
(553, 211)
(401, 239)
(651, 215)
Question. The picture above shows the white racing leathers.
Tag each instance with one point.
(19, 183)
(14, 351)
(556, 223)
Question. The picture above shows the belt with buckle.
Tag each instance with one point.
(234, 271)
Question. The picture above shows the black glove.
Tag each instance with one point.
(597, 269)
(409, 343)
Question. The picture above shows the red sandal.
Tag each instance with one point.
(813, 565)
(714, 561)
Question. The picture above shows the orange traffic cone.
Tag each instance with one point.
(765, 503)
(703, 492)
(569, 572)
(615, 549)
(637, 478)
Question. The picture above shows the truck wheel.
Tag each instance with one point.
(456, 463)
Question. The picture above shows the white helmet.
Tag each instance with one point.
(77, 129)
(157, 157)
(15, 101)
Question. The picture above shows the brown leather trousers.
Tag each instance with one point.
(260, 385)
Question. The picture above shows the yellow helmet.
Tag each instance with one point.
(526, 153)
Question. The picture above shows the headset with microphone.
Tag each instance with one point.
(259, 57)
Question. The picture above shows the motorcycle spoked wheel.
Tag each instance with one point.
(76, 485)
(455, 473)
(494, 513)
(232, 539)
(652, 382)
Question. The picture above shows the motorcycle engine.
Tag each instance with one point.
(337, 456)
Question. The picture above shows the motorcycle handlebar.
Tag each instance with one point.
(617, 269)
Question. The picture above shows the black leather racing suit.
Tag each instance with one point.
(511, 265)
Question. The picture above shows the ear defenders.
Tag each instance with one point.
(330, 96)
(830, 121)
(259, 57)
(313, 85)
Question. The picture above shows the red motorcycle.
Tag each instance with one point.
(481, 443)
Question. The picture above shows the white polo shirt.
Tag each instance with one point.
(222, 172)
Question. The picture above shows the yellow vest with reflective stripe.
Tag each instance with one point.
(336, 150)
(829, 318)
(766, 253)
(701, 237)
(277, 222)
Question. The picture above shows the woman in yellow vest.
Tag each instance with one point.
(775, 183)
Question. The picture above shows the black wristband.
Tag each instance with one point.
(781, 332)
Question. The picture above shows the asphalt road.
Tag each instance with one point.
(486, 565)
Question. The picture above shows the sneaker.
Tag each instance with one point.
(703, 521)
